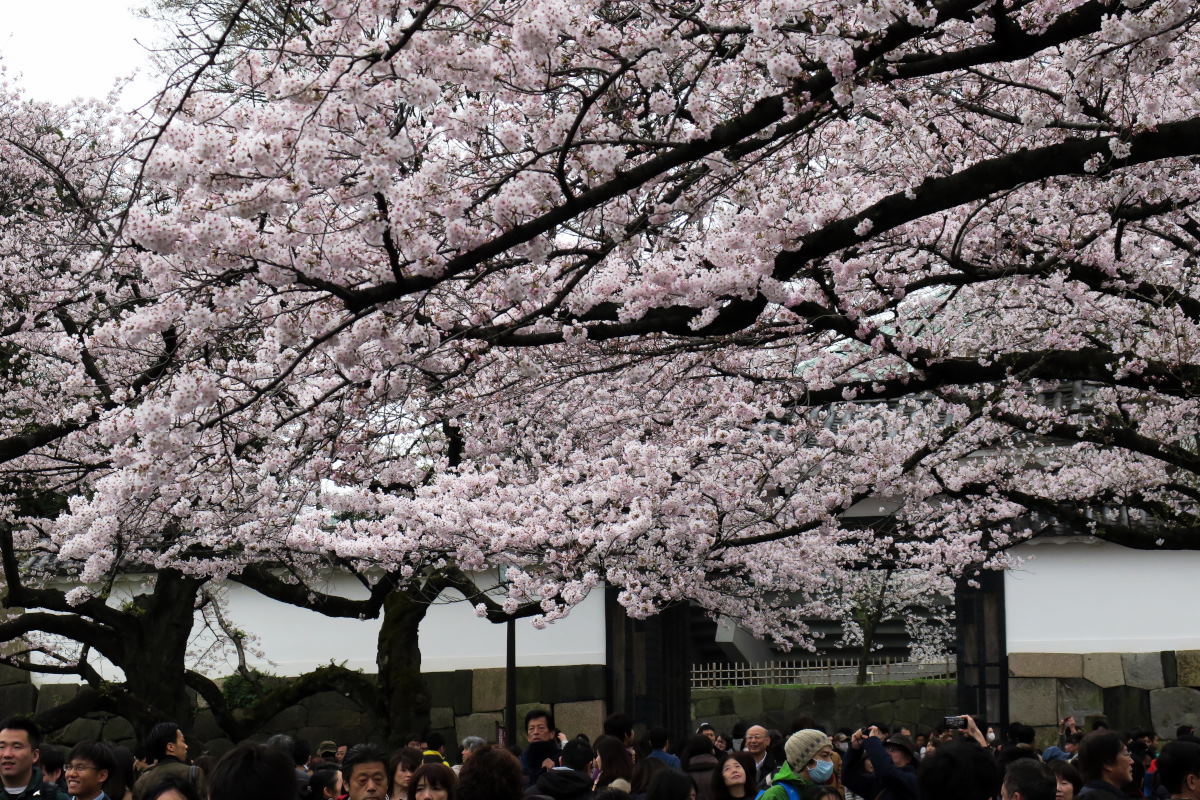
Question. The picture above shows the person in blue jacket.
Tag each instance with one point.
(893, 761)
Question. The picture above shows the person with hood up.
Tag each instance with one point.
(568, 781)
(809, 763)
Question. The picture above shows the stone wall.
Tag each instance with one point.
(916, 704)
(1130, 690)
(464, 702)
(471, 702)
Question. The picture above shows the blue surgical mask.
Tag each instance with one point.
(821, 771)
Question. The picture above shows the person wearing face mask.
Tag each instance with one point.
(809, 763)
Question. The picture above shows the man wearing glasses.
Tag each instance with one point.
(1106, 766)
(88, 767)
(757, 740)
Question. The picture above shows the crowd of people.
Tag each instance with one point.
(954, 762)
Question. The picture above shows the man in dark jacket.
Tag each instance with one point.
(894, 761)
(1106, 766)
(570, 780)
(23, 779)
(757, 741)
(167, 747)
(543, 750)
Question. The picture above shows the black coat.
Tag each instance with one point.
(887, 782)
(562, 784)
(766, 771)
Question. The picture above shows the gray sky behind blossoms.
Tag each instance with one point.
(59, 50)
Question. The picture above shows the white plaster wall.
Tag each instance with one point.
(1073, 596)
(452, 637)
(289, 641)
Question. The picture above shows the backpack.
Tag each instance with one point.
(787, 787)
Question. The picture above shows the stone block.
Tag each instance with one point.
(1045, 665)
(487, 691)
(478, 724)
(219, 747)
(580, 716)
(18, 698)
(529, 685)
(450, 689)
(1104, 669)
(775, 700)
(568, 684)
(747, 702)
(880, 714)
(315, 736)
(1080, 698)
(1172, 707)
(851, 702)
(10, 676)
(53, 695)
(1044, 736)
(1143, 670)
(119, 730)
(287, 721)
(1127, 707)
(907, 712)
(1170, 668)
(1187, 664)
(800, 700)
(78, 730)
(708, 703)
(1033, 701)
(825, 703)
(939, 699)
(441, 718)
(333, 710)
(206, 728)
(329, 701)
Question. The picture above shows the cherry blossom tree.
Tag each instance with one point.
(67, 271)
(658, 294)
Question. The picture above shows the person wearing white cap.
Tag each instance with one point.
(809, 763)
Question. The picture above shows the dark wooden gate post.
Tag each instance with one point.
(649, 666)
(982, 648)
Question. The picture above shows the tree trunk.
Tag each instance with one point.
(401, 685)
(155, 654)
(868, 624)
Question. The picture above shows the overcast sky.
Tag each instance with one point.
(66, 49)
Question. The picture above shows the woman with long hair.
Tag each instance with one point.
(614, 763)
(400, 769)
(671, 784)
(643, 773)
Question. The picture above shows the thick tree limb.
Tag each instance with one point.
(71, 626)
(241, 723)
(263, 581)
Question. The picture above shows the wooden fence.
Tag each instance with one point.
(816, 671)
